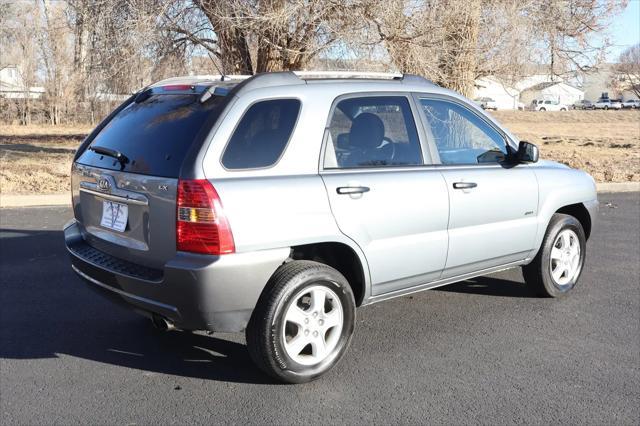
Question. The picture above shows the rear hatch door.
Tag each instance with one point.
(125, 182)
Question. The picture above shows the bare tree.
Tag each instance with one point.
(627, 70)
(453, 42)
(88, 53)
(248, 36)
(439, 39)
(566, 29)
(17, 38)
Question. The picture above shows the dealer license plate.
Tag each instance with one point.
(114, 215)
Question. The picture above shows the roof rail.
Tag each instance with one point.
(270, 79)
(223, 77)
(193, 79)
(347, 74)
(294, 77)
(405, 78)
(288, 78)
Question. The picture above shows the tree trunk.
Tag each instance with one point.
(459, 60)
(232, 42)
(268, 59)
(234, 52)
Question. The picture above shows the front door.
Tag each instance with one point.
(493, 204)
(382, 197)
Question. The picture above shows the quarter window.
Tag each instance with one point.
(262, 134)
(460, 136)
(372, 131)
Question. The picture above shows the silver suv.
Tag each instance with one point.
(279, 203)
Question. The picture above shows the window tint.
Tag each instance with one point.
(262, 134)
(372, 131)
(155, 135)
(461, 136)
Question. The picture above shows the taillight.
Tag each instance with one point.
(171, 87)
(201, 226)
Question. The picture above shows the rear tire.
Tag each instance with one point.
(303, 322)
(542, 109)
(558, 265)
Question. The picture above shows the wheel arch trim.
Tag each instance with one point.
(319, 249)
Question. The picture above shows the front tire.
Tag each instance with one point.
(558, 265)
(303, 322)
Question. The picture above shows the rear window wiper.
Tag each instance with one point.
(122, 159)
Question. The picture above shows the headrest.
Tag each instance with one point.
(367, 131)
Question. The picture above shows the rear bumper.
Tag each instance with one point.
(196, 292)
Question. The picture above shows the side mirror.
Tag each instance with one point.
(527, 152)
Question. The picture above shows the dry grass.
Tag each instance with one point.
(605, 144)
(37, 159)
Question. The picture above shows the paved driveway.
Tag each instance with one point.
(482, 351)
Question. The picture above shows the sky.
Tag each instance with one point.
(624, 30)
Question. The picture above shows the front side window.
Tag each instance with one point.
(262, 134)
(373, 131)
(460, 136)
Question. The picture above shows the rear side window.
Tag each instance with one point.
(155, 134)
(262, 134)
(372, 131)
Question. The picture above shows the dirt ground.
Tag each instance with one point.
(37, 159)
(605, 144)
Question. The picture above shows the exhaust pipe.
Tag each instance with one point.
(162, 323)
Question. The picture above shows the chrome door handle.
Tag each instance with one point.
(464, 185)
(352, 189)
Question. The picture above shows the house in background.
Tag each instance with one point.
(604, 83)
(538, 86)
(12, 85)
(489, 87)
(558, 91)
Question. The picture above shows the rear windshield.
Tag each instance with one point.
(155, 134)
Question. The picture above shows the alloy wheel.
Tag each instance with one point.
(564, 262)
(312, 325)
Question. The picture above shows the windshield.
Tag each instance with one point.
(154, 135)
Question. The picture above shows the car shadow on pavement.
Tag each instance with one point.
(48, 312)
(490, 286)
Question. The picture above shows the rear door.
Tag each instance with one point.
(380, 193)
(493, 204)
(127, 206)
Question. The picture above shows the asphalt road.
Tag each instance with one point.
(482, 351)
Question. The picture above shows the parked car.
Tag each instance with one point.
(280, 203)
(631, 103)
(548, 105)
(608, 104)
(487, 103)
(583, 104)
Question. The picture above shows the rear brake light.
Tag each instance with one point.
(201, 226)
(170, 87)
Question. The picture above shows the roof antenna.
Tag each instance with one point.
(215, 65)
